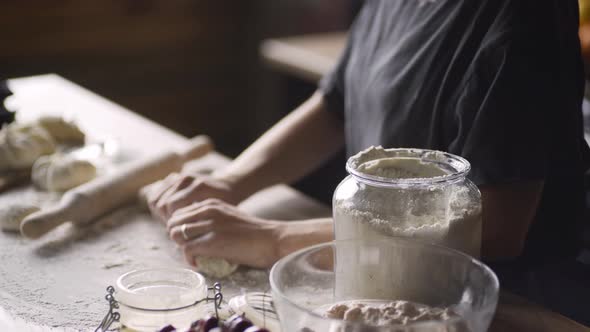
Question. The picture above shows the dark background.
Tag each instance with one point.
(190, 65)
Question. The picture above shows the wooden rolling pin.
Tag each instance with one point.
(93, 199)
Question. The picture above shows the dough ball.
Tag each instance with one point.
(12, 216)
(215, 267)
(21, 145)
(61, 130)
(61, 173)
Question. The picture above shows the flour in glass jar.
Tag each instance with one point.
(454, 220)
(442, 214)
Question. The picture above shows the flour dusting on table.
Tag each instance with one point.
(60, 280)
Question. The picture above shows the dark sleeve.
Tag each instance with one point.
(505, 114)
(332, 85)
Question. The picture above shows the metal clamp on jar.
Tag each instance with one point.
(147, 300)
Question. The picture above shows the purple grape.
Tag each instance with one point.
(232, 318)
(168, 328)
(239, 325)
(210, 323)
(197, 325)
(256, 329)
(218, 329)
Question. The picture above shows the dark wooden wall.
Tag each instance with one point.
(191, 65)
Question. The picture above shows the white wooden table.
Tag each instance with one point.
(59, 281)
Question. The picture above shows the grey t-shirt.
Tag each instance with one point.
(499, 82)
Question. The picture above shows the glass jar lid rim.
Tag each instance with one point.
(460, 166)
(194, 289)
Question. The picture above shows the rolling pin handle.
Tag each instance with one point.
(37, 224)
(41, 222)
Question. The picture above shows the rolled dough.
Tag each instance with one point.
(215, 267)
(60, 172)
(61, 130)
(21, 145)
(12, 215)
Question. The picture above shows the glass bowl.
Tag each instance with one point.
(151, 298)
(308, 281)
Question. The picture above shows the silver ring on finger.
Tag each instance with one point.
(183, 231)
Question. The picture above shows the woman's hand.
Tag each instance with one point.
(180, 190)
(215, 228)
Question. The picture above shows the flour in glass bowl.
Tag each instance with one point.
(393, 313)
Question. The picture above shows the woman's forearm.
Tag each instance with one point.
(295, 235)
(296, 145)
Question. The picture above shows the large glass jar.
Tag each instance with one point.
(412, 193)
